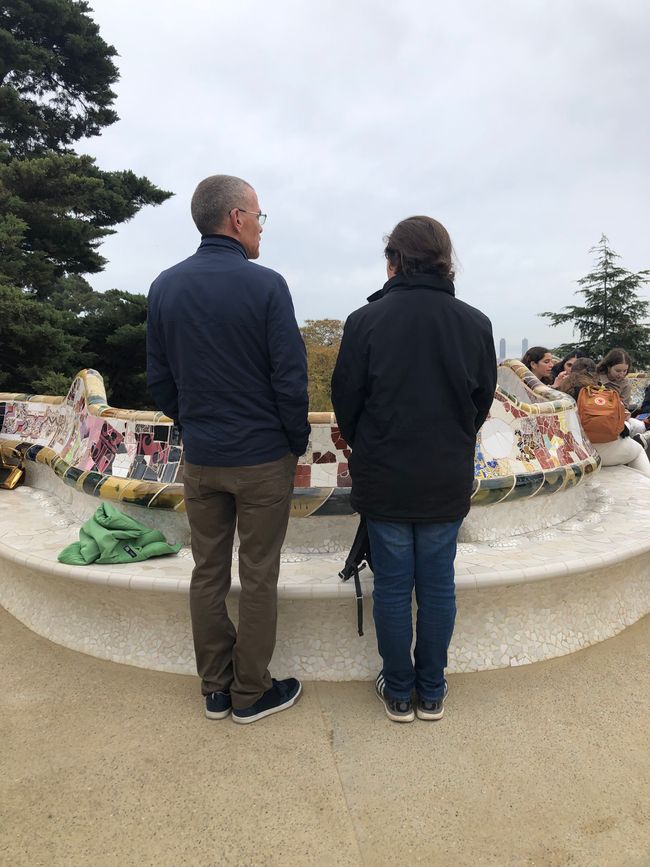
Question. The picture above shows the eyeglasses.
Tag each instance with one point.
(261, 218)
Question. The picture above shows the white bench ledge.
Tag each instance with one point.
(541, 595)
(614, 529)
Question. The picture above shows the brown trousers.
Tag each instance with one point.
(257, 499)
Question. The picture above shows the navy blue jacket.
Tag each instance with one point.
(413, 383)
(225, 357)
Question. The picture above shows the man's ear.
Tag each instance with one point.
(234, 221)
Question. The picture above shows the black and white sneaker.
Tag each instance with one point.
(398, 710)
(283, 694)
(432, 709)
(217, 705)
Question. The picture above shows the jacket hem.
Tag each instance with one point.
(203, 460)
(418, 519)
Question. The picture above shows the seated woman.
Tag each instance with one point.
(567, 363)
(622, 450)
(612, 372)
(539, 361)
(583, 374)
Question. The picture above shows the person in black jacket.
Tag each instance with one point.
(225, 359)
(413, 383)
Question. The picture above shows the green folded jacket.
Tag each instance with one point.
(110, 536)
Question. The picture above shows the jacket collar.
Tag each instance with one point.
(415, 281)
(222, 242)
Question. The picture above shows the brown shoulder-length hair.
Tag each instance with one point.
(615, 356)
(583, 373)
(420, 245)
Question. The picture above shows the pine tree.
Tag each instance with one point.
(613, 314)
(56, 74)
(38, 347)
(114, 325)
(54, 211)
(56, 206)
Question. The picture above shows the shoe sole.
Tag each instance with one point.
(217, 714)
(244, 720)
(402, 718)
(427, 715)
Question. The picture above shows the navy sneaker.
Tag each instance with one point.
(217, 705)
(282, 695)
(432, 709)
(399, 710)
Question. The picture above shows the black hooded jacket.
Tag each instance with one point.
(413, 383)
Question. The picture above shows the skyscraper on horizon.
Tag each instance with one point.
(524, 346)
(502, 349)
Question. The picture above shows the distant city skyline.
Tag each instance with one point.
(511, 349)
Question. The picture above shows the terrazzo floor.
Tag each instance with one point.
(541, 766)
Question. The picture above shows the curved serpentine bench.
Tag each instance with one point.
(536, 574)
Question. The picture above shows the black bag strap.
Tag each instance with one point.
(359, 594)
(352, 570)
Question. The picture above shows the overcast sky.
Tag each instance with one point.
(523, 127)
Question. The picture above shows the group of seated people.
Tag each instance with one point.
(576, 372)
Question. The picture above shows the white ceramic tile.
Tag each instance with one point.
(522, 598)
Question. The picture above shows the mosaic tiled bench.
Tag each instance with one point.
(536, 575)
(639, 382)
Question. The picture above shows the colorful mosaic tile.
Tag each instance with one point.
(531, 443)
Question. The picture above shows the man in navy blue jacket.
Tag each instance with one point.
(225, 359)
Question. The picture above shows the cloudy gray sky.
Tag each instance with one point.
(523, 127)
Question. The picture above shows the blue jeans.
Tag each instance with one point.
(407, 556)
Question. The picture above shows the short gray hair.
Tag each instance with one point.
(214, 199)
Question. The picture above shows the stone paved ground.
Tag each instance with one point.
(103, 764)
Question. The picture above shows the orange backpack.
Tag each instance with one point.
(602, 413)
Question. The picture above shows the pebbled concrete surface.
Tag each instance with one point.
(102, 764)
